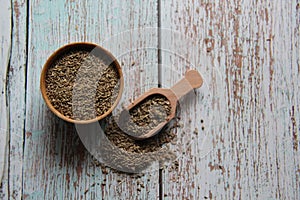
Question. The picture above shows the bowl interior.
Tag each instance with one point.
(94, 49)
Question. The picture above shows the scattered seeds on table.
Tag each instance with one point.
(123, 153)
(122, 140)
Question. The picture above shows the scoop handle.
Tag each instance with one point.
(192, 80)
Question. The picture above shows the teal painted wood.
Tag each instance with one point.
(248, 53)
(5, 40)
(57, 166)
(16, 97)
(13, 93)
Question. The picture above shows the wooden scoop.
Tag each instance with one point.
(191, 81)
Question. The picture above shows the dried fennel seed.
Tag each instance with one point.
(77, 73)
(122, 140)
(146, 115)
(132, 158)
(122, 153)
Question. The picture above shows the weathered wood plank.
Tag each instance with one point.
(57, 164)
(248, 53)
(16, 96)
(5, 40)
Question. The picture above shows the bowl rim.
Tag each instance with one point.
(52, 59)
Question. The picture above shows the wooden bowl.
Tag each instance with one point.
(90, 47)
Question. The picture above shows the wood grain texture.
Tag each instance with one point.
(248, 53)
(57, 166)
(238, 136)
(14, 93)
(16, 97)
(5, 40)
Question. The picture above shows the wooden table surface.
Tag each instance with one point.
(246, 115)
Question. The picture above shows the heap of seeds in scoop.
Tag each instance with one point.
(142, 116)
(75, 89)
(147, 115)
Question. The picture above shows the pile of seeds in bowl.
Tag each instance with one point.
(146, 115)
(82, 86)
